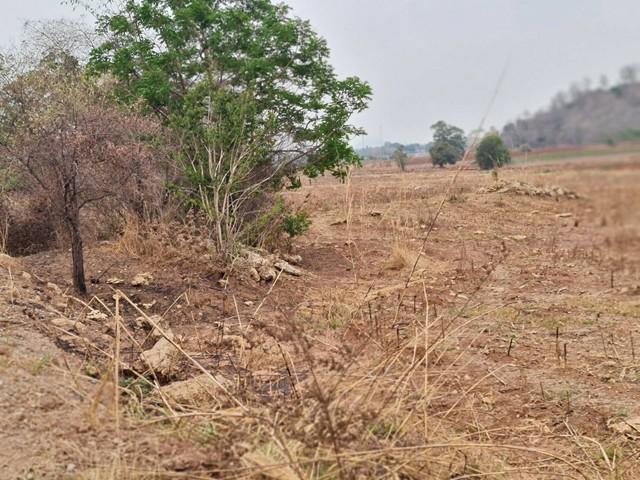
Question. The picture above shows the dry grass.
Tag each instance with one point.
(504, 355)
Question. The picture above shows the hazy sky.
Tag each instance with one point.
(429, 60)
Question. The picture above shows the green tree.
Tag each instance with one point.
(492, 152)
(400, 157)
(449, 144)
(248, 89)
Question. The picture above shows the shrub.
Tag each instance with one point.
(400, 157)
(492, 152)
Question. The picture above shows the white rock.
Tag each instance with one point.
(142, 279)
(196, 391)
(162, 358)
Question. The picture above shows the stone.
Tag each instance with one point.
(292, 259)
(253, 273)
(96, 315)
(196, 391)
(54, 288)
(162, 358)
(288, 268)
(267, 273)
(628, 426)
(68, 324)
(142, 279)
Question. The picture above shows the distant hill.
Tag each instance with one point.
(385, 151)
(580, 117)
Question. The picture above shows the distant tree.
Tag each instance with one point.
(400, 157)
(575, 91)
(604, 82)
(492, 152)
(449, 144)
(526, 149)
(629, 74)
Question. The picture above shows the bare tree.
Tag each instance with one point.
(70, 143)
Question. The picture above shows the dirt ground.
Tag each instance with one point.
(497, 330)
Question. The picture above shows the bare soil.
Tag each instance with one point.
(513, 322)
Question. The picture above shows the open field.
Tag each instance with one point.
(437, 332)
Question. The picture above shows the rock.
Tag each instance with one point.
(292, 259)
(565, 215)
(253, 273)
(142, 279)
(266, 267)
(223, 282)
(288, 268)
(629, 427)
(54, 288)
(196, 391)
(267, 273)
(26, 276)
(67, 324)
(143, 322)
(96, 315)
(518, 238)
(162, 358)
(148, 306)
(248, 303)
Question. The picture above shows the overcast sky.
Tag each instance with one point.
(431, 60)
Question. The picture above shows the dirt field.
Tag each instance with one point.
(444, 327)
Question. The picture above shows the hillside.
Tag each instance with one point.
(583, 117)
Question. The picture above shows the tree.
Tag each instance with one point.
(449, 144)
(248, 89)
(629, 74)
(72, 145)
(400, 157)
(492, 153)
(604, 82)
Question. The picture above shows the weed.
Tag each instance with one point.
(38, 365)
(208, 433)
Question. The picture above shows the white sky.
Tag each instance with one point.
(429, 60)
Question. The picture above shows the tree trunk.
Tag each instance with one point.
(72, 219)
(77, 256)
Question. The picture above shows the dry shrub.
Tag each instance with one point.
(399, 258)
(138, 239)
(166, 238)
(30, 227)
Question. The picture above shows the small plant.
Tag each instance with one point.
(383, 429)
(295, 224)
(39, 364)
(208, 433)
(140, 387)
